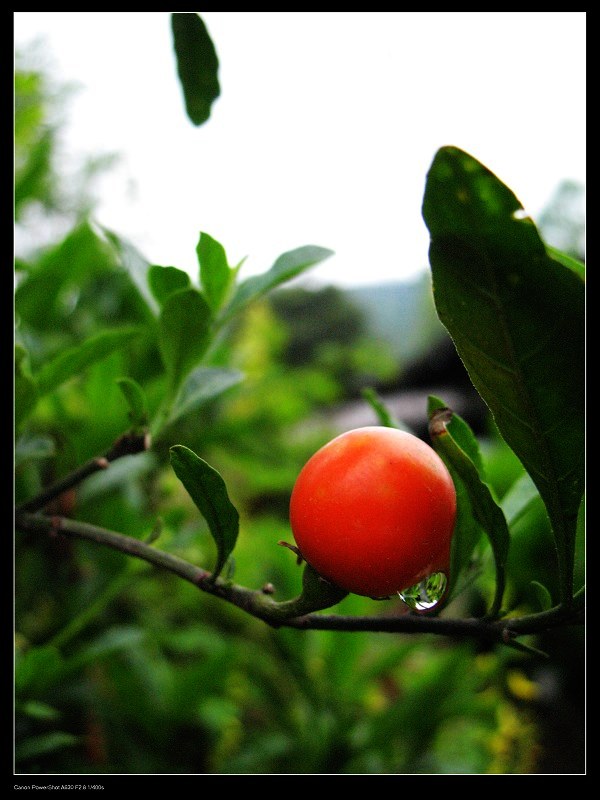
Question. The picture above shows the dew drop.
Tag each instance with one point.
(426, 595)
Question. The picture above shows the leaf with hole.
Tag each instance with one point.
(454, 442)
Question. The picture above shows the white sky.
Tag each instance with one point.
(325, 129)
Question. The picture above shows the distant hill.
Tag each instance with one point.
(401, 313)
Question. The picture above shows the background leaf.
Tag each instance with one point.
(136, 400)
(517, 319)
(33, 448)
(164, 281)
(136, 267)
(197, 65)
(287, 266)
(37, 669)
(81, 255)
(382, 412)
(184, 333)
(26, 392)
(208, 491)
(73, 361)
(202, 385)
(215, 273)
(42, 745)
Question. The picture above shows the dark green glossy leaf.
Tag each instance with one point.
(208, 491)
(287, 266)
(202, 385)
(197, 64)
(517, 319)
(485, 510)
(163, 281)
(136, 400)
(215, 273)
(184, 333)
(74, 360)
(26, 392)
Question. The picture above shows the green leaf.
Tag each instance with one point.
(37, 746)
(81, 255)
(202, 385)
(215, 273)
(287, 266)
(567, 261)
(460, 431)
(208, 491)
(467, 530)
(197, 65)
(384, 415)
(37, 710)
(519, 499)
(37, 669)
(136, 267)
(26, 391)
(118, 637)
(74, 360)
(486, 512)
(163, 281)
(184, 333)
(517, 319)
(542, 595)
(33, 448)
(136, 400)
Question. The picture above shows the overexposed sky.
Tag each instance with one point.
(325, 129)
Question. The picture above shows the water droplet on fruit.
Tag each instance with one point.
(426, 595)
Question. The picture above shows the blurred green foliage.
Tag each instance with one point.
(123, 669)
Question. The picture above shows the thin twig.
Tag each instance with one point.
(290, 613)
(126, 445)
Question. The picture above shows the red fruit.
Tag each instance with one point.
(373, 511)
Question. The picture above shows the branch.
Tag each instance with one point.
(295, 613)
(126, 445)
